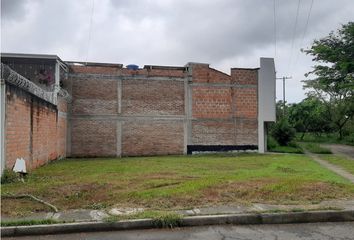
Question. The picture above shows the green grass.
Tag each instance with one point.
(177, 182)
(315, 148)
(326, 138)
(286, 149)
(341, 161)
(161, 219)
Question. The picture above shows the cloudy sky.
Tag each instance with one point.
(224, 33)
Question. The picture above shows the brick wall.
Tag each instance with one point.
(155, 137)
(224, 107)
(93, 137)
(246, 105)
(152, 97)
(124, 112)
(35, 129)
(160, 110)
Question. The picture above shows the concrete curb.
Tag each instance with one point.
(256, 218)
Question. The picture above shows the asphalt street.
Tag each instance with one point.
(320, 231)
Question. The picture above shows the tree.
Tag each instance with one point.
(308, 116)
(334, 75)
(282, 132)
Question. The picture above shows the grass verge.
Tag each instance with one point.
(161, 219)
(326, 138)
(315, 148)
(340, 161)
(286, 149)
(177, 182)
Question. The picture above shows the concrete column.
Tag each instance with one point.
(68, 118)
(2, 125)
(188, 109)
(57, 82)
(119, 122)
(266, 100)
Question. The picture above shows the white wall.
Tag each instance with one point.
(266, 99)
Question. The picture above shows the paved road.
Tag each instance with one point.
(320, 231)
(340, 149)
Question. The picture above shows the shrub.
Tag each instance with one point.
(9, 176)
(271, 142)
(282, 132)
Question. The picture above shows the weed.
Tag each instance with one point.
(168, 220)
(9, 176)
(316, 148)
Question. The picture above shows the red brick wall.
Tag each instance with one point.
(246, 105)
(114, 116)
(211, 102)
(152, 137)
(117, 111)
(93, 137)
(95, 96)
(245, 102)
(34, 130)
(152, 97)
(224, 108)
(211, 132)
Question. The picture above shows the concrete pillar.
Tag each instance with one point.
(2, 125)
(119, 122)
(266, 100)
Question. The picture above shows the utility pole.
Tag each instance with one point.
(284, 78)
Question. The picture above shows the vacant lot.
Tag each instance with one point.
(173, 182)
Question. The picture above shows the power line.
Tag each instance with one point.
(307, 22)
(284, 78)
(90, 30)
(305, 30)
(294, 33)
(275, 28)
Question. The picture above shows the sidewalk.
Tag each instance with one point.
(93, 220)
(340, 171)
(85, 215)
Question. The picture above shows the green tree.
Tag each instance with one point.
(283, 132)
(334, 75)
(308, 116)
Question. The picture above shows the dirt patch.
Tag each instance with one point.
(162, 185)
(77, 196)
(21, 207)
(274, 191)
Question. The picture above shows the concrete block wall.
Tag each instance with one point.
(34, 129)
(159, 110)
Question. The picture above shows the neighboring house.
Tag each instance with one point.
(154, 110)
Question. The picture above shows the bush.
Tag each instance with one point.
(282, 132)
(271, 143)
(168, 220)
(9, 176)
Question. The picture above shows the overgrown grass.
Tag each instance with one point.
(161, 219)
(286, 149)
(341, 161)
(273, 146)
(326, 138)
(315, 148)
(176, 182)
(29, 222)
